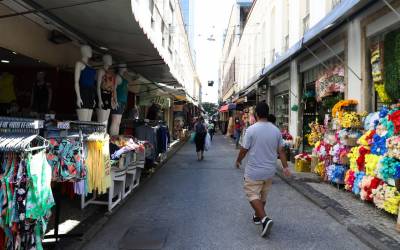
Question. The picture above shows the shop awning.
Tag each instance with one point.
(231, 106)
(224, 108)
(252, 87)
(110, 27)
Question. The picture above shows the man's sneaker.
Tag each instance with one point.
(267, 225)
(256, 220)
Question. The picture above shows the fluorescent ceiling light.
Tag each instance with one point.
(5, 61)
(103, 48)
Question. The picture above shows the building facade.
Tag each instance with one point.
(228, 63)
(289, 47)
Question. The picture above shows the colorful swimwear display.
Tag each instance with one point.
(66, 159)
(26, 199)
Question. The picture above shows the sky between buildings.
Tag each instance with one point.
(210, 21)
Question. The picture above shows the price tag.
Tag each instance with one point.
(63, 125)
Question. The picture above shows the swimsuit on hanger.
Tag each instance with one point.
(87, 87)
(107, 89)
(122, 96)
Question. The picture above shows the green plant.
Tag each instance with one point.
(392, 64)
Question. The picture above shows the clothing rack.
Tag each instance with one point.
(20, 125)
(81, 127)
(17, 134)
(133, 123)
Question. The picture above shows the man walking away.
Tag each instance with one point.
(262, 142)
(211, 130)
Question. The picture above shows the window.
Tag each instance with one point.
(306, 16)
(286, 43)
(273, 55)
(306, 23)
(162, 33)
(335, 3)
(151, 6)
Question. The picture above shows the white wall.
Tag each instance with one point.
(354, 60)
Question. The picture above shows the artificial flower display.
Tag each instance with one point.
(392, 200)
(350, 120)
(388, 168)
(356, 186)
(366, 138)
(320, 168)
(371, 164)
(393, 147)
(395, 119)
(379, 145)
(367, 184)
(349, 180)
(353, 156)
(365, 161)
(316, 134)
(337, 110)
(371, 120)
(383, 95)
(362, 150)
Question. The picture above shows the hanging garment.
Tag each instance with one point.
(98, 164)
(26, 199)
(163, 139)
(87, 78)
(40, 197)
(87, 87)
(65, 158)
(7, 93)
(147, 133)
(122, 97)
(107, 89)
(122, 91)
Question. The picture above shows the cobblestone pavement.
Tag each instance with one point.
(202, 205)
(365, 212)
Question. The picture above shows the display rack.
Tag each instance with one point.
(79, 128)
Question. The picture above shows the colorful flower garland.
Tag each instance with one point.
(337, 111)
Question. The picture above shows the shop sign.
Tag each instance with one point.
(331, 81)
(163, 101)
(178, 108)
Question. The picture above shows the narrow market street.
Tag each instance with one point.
(201, 205)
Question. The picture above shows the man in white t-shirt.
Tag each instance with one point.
(262, 143)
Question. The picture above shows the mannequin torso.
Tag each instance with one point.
(85, 82)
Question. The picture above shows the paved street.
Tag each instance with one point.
(202, 206)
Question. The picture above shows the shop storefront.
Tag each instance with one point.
(91, 124)
(381, 43)
(354, 144)
(280, 99)
(323, 86)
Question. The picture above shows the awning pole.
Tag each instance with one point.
(338, 57)
(391, 7)
(316, 57)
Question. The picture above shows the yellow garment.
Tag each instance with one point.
(7, 93)
(98, 166)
